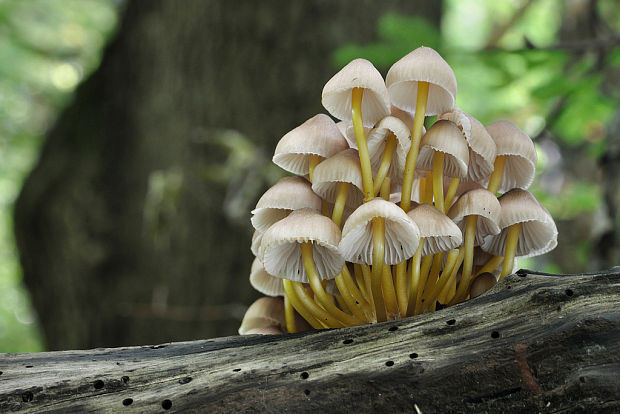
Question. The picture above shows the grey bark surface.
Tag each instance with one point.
(134, 226)
(534, 343)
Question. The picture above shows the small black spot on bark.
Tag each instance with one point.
(347, 341)
(307, 392)
(98, 384)
(495, 334)
(413, 355)
(127, 401)
(185, 380)
(389, 363)
(236, 369)
(125, 379)
(582, 379)
(393, 328)
(569, 292)
(29, 366)
(451, 322)
(27, 396)
(166, 404)
(304, 375)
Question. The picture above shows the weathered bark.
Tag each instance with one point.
(534, 343)
(124, 227)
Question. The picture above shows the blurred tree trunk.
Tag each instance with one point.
(134, 226)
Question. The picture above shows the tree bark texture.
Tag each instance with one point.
(534, 343)
(124, 227)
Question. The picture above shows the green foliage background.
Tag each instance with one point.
(565, 100)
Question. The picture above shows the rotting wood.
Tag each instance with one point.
(534, 343)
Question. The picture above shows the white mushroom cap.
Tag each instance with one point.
(257, 237)
(377, 140)
(478, 202)
(290, 193)
(439, 232)
(264, 282)
(349, 134)
(281, 252)
(520, 153)
(401, 233)
(444, 136)
(343, 167)
(406, 117)
(482, 148)
(538, 233)
(426, 65)
(264, 313)
(319, 135)
(359, 73)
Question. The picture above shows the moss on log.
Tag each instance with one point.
(534, 343)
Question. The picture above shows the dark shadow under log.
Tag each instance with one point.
(534, 343)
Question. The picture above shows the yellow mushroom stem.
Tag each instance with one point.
(368, 283)
(359, 280)
(386, 161)
(427, 197)
(341, 199)
(438, 158)
(289, 315)
(324, 299)
(313, 161)
(431, 280)
(290, 290)
(362, 145)
(325, 208)
(356, 294)
(498, 172)
(454, 258)
(415, 279)
(402, 288)
(512, 239)
(389, 294)
(468, 262)
(342, 303)
(451, 193)
(416, 137)
(425, 267)
(385, 189)
(378, 253)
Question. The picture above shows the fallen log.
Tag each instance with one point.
(534, 343)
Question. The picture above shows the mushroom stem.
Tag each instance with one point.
(438, 158)
(512, 239)
(368, 283)
(389, 294)
(431, 281)
(386, 161)
(289, 315)
(498, 173)
(468, 249)
(341, 199)
(451, 193)
(324, 208)
(345, 279)
(416, 136)
(378, 253)
(359, 280)
(323, 297)
(427, 197)
(291, 293)
(402, 290)
(415, 278)
(385, 189)
(490, 265)
(362, 145)
(430, 297)
(313, 161)
(424, 269)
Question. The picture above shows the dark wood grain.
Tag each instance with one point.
(534, 343)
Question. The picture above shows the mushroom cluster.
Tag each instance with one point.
(384, 219)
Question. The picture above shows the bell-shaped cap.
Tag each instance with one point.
(359, 73)
(264, 282)
(281, 252)
(538, 233)
(520, 153)
(319, 135)
(290, 193)
(265, 313)
(482, 148)
(343, 167)
(482, 203)
(422, 65)
(377, 140)
(257, 237)
(439, 232)
(401, 233)
(444, 136)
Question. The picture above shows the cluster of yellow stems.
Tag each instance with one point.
(368, 231)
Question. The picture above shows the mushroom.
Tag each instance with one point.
(303, 247)
(265, 315)
(444, 152)
(422, 73)
(515, 163)
(357, 93)
(288, 194)
(481, 284)
(301, 149)
(388, 145)
(527, 229)
(477, 214)
(379, 233)
(263, 282)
